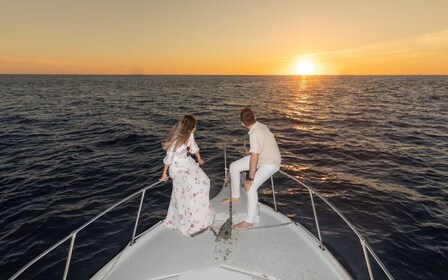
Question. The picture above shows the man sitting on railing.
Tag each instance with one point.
(264, 160)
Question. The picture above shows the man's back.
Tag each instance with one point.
(263, 142)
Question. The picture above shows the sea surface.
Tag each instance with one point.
(376, 147)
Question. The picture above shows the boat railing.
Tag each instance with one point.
(365, 246)
(72, 236)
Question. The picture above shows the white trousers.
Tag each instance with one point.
(264, 171)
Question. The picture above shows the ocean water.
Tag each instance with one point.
(374, 146)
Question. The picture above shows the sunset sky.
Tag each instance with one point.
(248, 37)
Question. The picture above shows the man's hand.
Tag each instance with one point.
(247, 185)
(252, 169)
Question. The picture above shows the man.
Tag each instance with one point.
(264, 160)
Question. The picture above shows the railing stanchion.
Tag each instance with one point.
(138, 217)
(273, 194)
(366, 256)
(225, 155)
(226, 170)
(69, 256)
(317, 221)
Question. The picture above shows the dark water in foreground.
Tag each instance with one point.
(375, 147)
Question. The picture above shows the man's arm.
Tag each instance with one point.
(253, 165)
(252, 169)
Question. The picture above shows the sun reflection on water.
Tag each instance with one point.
(300, 107)
(303, 82)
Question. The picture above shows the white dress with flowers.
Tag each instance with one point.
(189, 209)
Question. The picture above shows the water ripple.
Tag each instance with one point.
(375, 147)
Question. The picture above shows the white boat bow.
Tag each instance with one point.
(275, 248)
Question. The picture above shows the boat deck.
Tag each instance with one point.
(275, 248)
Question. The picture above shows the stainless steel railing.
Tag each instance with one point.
(365, 246)
(72, 236)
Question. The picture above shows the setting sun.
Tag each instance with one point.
(78, 37)
(304, 67)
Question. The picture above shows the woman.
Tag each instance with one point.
(189, 211)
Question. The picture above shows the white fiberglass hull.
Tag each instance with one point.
(275, 249)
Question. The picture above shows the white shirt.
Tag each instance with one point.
(263, 142)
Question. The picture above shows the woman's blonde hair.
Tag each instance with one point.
(180, 133)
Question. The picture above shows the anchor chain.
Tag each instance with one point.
(225, 231)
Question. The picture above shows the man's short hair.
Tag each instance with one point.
(247, 116)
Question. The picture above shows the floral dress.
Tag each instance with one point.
(189, 210)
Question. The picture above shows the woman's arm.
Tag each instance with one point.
(164, 173)
(200, 160)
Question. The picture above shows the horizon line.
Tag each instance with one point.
(90, 74)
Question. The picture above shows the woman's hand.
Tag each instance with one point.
(164, 177)
(199, 158)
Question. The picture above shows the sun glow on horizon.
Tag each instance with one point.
(144, 38)
(304, 67)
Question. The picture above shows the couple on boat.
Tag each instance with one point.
(189, 211)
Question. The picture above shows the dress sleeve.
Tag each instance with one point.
(169, 156)
(192, 144)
